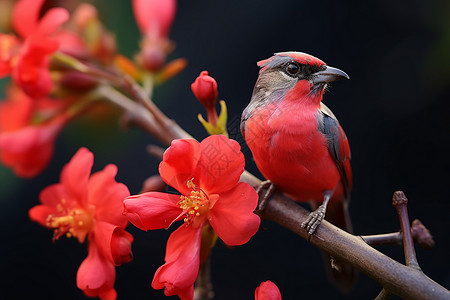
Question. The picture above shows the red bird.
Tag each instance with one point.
(296, 141)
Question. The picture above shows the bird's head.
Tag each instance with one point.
(294, 75)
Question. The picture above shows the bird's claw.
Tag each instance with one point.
(263, 199)
(314, 219)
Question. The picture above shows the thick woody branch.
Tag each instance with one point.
(396, 278)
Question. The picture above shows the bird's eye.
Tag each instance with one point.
(292, 69)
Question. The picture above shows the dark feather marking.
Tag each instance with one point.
(329, 126)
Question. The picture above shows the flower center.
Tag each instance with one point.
(194, 205)
(72, 222)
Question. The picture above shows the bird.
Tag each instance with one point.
(298, 144)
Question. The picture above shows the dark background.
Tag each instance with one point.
(395, 111)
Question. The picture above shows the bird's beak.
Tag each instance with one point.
(329, 74)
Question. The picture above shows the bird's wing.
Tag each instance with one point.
(338, 146)
(337, 212)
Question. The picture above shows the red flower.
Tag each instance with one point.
(267, 290)
(89, 206)
(205, 90)
(207, 175)
(26, 146)
(29, 61)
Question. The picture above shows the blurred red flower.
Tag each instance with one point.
(28, 130)
(83, 206)
(28, 60)
(207, 175)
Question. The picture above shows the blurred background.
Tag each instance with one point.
(395, 111)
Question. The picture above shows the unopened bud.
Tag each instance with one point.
(152, 56)
(205, 90)
(121, 247)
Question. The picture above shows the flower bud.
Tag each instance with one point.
(205, 90)
(121, 247)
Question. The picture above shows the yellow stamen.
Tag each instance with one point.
(194, 204)
(71, 222)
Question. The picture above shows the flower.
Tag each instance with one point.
(154, 19)
(267, 290)
(84, 206)
(28, 130)
(28, 60)
(207, 175)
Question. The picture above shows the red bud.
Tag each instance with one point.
(205, 89)
(121, 247)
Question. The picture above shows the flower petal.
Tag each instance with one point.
(75, 175)
(220, 164)
(178, 164)
(107, 195)
(267, 290)
(25, 16)
(180, 271)
(232, 215)
(40, 213)
(52, 19)
(152, 210)
(103, 234)
(96, 275)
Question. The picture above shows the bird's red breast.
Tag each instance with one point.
(290, 151)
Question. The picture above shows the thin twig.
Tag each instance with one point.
(420, 234)
(399, 201)
(156, 151)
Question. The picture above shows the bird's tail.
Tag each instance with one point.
(342, 275)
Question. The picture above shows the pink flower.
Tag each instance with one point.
(84, 206)
(207, 175)
(28, 62)
(267, 290)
